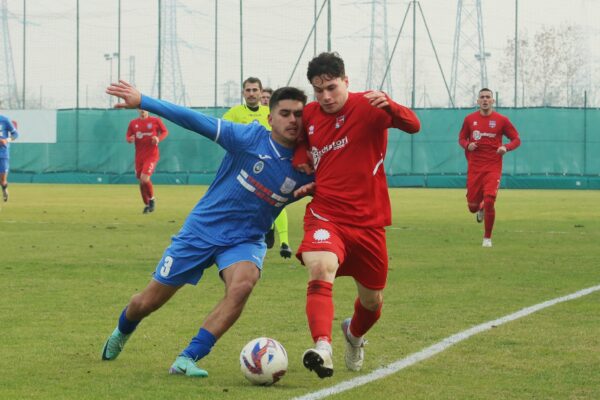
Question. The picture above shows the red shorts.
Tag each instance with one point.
(361, 252)
(480, 184)
(144, 166)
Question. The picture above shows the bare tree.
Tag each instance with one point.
(552, 67)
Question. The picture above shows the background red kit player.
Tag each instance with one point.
(146, 132)
(481, 137)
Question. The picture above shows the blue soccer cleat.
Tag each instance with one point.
(114, 344)
(186, 366)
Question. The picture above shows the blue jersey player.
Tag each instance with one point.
(8, 133)
(227, 226)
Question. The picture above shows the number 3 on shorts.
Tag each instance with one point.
(166, 267)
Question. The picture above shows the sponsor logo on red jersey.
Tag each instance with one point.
(335, 145)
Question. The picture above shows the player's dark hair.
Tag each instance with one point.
(252, 79)
(286, 93)
(486, 90)
(329, 64)
(268, 90)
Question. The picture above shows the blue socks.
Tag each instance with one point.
(200, 345)
(126, 326)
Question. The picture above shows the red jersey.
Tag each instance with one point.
(487, 131)
(143, 130)
(348, 150)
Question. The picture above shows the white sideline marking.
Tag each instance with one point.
(439, 347)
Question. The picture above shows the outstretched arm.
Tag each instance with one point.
(182, 116)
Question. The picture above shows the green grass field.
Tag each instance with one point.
(72, 255)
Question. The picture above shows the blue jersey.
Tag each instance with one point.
(254, 182)
(7, 130)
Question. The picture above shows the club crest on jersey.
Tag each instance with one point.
(149, 126)
(287, 186)
(258, 167)
(476, 135)
(339, 121)
(311, 129)
(492, 123)
(321, 235)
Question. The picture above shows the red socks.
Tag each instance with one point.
(147, 191)
(319, 309)
(489, 216)
(150, 190)
(363, 319)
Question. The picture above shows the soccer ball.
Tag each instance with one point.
(263, 361)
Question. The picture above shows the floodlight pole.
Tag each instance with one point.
(216, 47)
(516, 46)
(24, 50)
(119, 43)
(159, 49)
(241, 54)
(414, 55)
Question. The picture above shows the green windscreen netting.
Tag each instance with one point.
(556, 143)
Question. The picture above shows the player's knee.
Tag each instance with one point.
(488, 203)
(321, 270)
(373, 302)
(240, 291)
(473, 207)
(144, 305)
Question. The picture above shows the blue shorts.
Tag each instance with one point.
(185, 260)
(3, 165)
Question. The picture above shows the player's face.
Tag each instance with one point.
(485, 101)
(331, 93)
(252, 94)
(286, 122)
(264, 98)
(143, 114)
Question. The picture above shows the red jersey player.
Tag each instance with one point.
(344, 224)
(481, 137)
(146, 132)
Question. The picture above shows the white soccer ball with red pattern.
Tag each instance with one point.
(263, 361)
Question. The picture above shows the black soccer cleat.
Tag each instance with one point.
(319, 361)
(285, 251)
(151, 205)
(146, 210)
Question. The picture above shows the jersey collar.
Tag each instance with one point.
(283, 153)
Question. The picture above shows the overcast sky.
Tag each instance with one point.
(273, 35)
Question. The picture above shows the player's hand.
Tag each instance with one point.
(377, 99)
(308, 189)
(472, 146)
(501, 150)
(131, 139)
(3, 141)
(308, 168)
(155, 140)
(123, 90)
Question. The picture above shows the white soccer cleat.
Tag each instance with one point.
(479, 215)
(319, 360)
(355, 355)
(487, 242)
